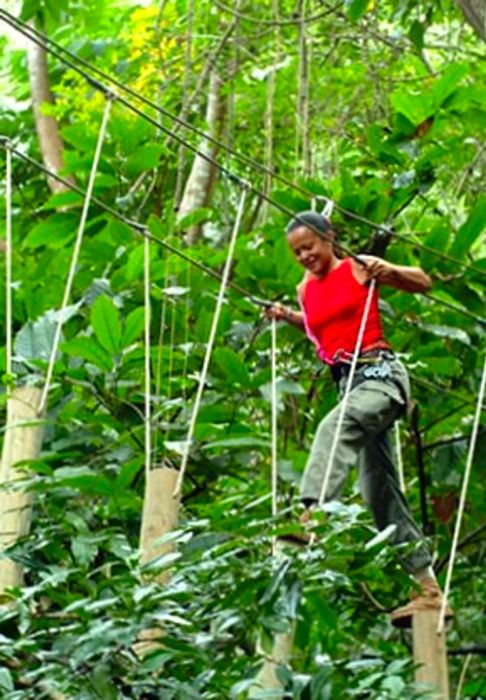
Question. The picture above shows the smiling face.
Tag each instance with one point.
(312, 251)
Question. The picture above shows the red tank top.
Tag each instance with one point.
(333, 308)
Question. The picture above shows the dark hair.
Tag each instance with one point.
(319, 225)
(316, 222)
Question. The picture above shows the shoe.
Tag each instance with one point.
(303, 538)
(429, 597)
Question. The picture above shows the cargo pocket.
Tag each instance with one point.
(375, 405)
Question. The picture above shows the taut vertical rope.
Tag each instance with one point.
(274, 399)
(163, 313)
(8, 258)
(398, 451)
(146, 295)
(185, 361)
(462, 500)
(212, 336)
(347, 391)
(75, 255)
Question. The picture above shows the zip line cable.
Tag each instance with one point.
(209, 159)
(140, 229)
(25, 29)
(143, 231)
(44, 41)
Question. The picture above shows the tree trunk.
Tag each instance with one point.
(23, 438)
(199, 186)
(47, 128)
(475, 13)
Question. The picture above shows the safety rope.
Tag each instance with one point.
(76, 251)
(147, 402)
(163, 314)
(8, 258)
(347, 391)
(185, 362)
(399, 455)
(42, 40)
(462, 500)
(274, 425)
(172, 336)
(212, 336)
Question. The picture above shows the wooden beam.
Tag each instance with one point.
(430, 653)
(23, 439)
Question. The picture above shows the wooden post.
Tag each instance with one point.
(160, 516)
(267, 679)
(23, 439)
(430, 653)
(283, 642)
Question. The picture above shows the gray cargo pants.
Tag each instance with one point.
(373, 406)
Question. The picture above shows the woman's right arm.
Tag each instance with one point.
(283, 313)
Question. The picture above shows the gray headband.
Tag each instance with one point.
(312, 219)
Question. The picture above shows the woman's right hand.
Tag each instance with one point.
(277, 311)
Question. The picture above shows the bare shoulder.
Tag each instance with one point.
(358, 270)
(303, 283)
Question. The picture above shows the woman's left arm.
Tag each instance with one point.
(408, 279)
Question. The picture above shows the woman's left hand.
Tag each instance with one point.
(408, 279)
(380, 270)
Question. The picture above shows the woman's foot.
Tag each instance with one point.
(429, 597)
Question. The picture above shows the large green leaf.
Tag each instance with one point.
(357, 8)
(89, 350)
(232, 366)
(133, 328)
(144, 158)
(448, 82)
(55, 231)
(35, 340)
(106, 324)
(470, 230)
(416, 108)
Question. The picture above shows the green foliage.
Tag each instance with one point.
(396, 124)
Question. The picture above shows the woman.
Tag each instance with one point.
(332, 298)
